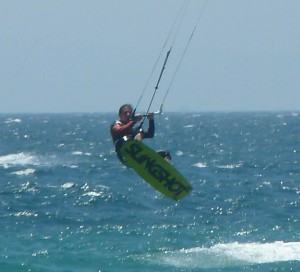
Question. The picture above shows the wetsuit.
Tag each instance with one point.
(122, 132)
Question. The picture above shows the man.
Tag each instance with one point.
(123, 129)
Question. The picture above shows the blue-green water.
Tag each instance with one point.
(67, 204)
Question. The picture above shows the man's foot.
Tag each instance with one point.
(165, 154)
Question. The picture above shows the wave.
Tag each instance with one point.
(31, 161)
(230, 166)
(229, 255)
(25, 172)
(80, 153)
(227, 166)
(200, 165)
(11, 120)
(10, 160)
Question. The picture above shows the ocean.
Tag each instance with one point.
(67, 204)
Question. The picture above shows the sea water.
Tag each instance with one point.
(67, 204)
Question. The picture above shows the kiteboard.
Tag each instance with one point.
(155, 170)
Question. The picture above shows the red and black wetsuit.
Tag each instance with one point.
(122, 132)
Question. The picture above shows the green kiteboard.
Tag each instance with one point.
(155, 170)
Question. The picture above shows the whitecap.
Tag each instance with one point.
(93, 194)
(41, 252)
(26, 214)
(11, 120)
(77, 153)
(230, 166)
(68, 185)
(18, 159)
(262, 252)
(25, 172)
(179, 153)
(200, 165)
(228, 255)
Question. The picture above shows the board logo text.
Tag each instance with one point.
(157, 171)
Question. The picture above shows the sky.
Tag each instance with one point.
(95, 55)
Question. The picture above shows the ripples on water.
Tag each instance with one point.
(68, 205)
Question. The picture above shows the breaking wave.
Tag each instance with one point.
(229, 255)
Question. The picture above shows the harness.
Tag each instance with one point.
(119, 143)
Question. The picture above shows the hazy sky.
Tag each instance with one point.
(94, 55)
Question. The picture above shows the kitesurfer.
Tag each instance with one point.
(123, 130)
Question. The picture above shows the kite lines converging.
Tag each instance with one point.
(173, 33)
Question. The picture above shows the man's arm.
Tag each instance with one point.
(151, 129)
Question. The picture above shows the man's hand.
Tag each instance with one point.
(151, 115)
(137, 118)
